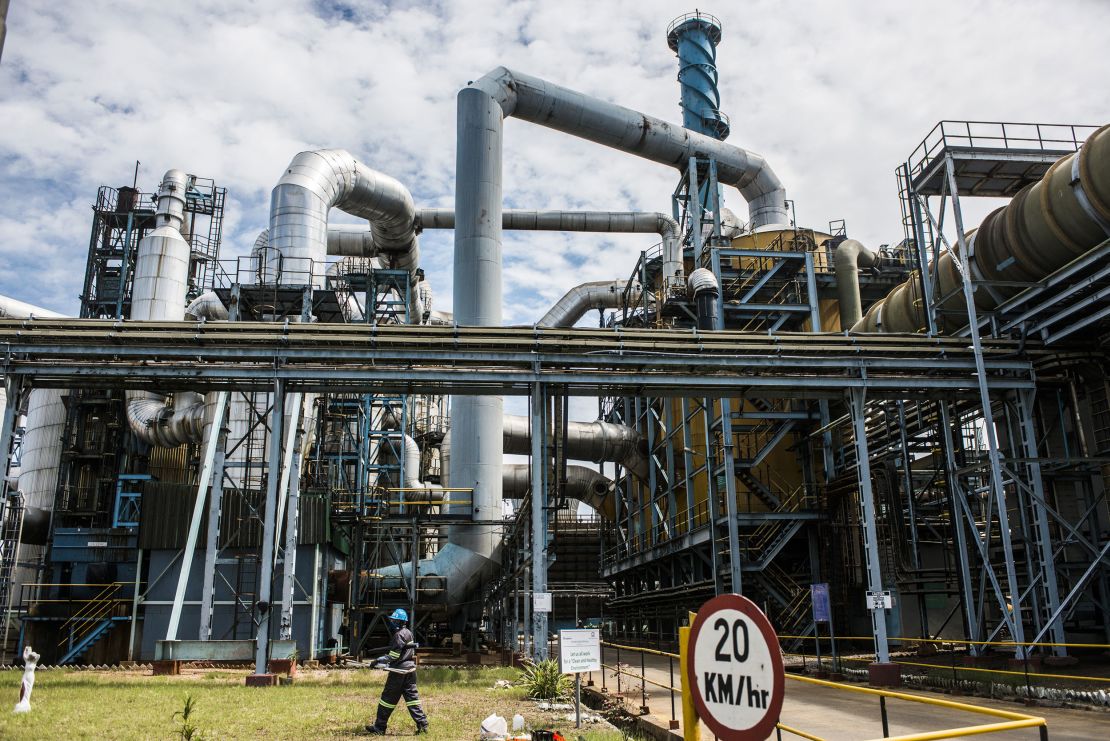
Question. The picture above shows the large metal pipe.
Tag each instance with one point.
(608, 222)
(849, 257)
(1043, 228)
(704, 289)
(602, 294)
(159, 291)
(583, 483)
(531, 99)
(313, 184)
(597, 441)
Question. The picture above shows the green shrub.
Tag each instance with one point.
(188, 730)
(544, 681)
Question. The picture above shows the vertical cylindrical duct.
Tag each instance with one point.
(704, 289)
(694, 38)
(476, 432)
(161, 282)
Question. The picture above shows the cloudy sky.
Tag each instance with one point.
(833, 94)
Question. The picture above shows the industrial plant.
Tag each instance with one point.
(259, 457)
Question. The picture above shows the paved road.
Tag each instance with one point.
(835, 715)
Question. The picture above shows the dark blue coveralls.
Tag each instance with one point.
(400, 682)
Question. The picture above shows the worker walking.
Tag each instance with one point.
(400, 681)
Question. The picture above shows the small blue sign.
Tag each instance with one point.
(821, 610)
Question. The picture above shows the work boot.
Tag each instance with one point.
(374, 731)
(422, 730)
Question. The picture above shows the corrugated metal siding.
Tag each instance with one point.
(166, 510)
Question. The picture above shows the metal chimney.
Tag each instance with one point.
(694, 38)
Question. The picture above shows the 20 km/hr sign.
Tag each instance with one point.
(735, 669)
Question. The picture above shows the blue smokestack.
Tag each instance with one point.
(694, 37)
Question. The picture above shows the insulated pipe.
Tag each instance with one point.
(313, 184)
(541, 102)
(206, 306)
(596, 441)
(1044, 227)
(160, 287)
(602, 294)
(849, 257)
(702, 286)
(11, 308)
(610, 222)
(583, 483)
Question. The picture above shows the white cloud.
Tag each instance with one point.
(835, 95)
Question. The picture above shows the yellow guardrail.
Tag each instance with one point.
(954, 641)
(1011, 720)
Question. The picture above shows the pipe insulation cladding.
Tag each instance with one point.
(312, 185)
(849, 257)
(159, 291)
(1044, 227)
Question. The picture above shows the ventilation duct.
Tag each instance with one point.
(603, 294)
(1044, 227)
(313, 184)
(608, 222)
(159, 290)
(596, 441)
(849, 257)
(703, 288)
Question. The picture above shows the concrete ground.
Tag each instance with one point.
(836, 714)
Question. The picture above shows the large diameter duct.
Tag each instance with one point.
(583, 483)
(694, 38)
(607, 222)
(11, 308)
(849, 257)
(704, 289)
(596, 441)
(312, 185)
(160, 288)
(603, 294)
(1043, 228)
(531, 99)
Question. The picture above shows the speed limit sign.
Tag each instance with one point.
(735, 669)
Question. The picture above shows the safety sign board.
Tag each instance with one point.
(735, 669)
(879, 601)
(580, 650)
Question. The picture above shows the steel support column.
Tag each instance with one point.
(857, 398)
(539, 518)
(269, 526)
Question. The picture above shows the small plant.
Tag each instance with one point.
(188, 730)
(544, 681)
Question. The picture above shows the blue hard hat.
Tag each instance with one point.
(399, 616)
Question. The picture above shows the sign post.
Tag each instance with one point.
(734, 670)
(579, 651)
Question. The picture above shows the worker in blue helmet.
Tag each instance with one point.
(400, 663)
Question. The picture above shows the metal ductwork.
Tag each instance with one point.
(596, 441)
(159, 291)
(1043, 228)
(602, 294)
(849, 257)
(607, 222)
(11, 308)
(703, 288)
(206, 306)
(313, 184)
(531, 99)
(694, 38)
(482, 109)
(583, 483)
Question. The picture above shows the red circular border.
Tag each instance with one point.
(765, 727)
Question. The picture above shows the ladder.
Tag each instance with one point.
(11, 533)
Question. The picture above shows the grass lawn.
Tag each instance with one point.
(336, 704)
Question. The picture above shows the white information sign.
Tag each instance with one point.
(541, 601)
(879, 601)
(580, 651)
(735, 669)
